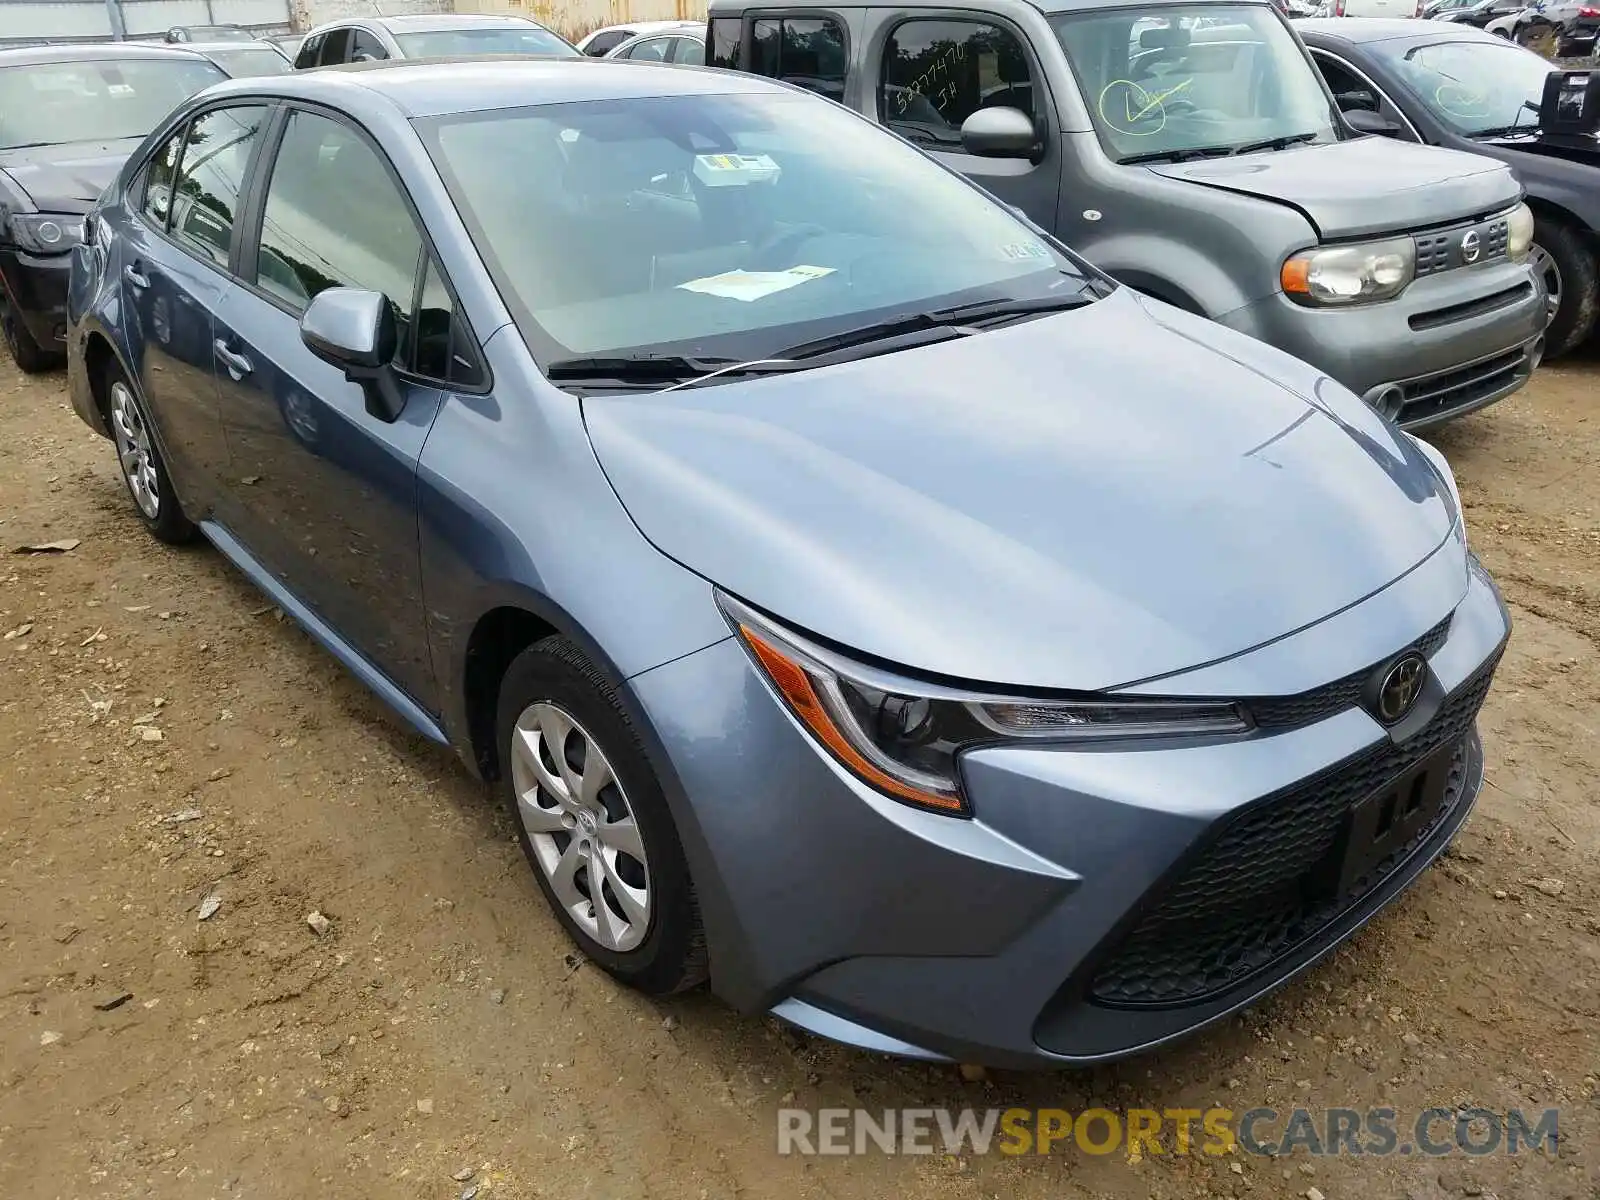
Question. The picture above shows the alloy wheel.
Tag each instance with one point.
(133, 450)
(583, 831)
(1545, 267)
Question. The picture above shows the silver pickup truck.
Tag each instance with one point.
(1192, 152)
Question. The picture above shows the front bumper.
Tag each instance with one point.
(1451, 343)
(37, 285)
(992, 939)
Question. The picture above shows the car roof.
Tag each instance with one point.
(231, 47)
(666, 28)
(722, 7)
(429, 22)
(472, 83)
(1360, 30)
(95, 52)
(642, 26)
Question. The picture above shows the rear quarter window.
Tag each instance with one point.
(723, 50)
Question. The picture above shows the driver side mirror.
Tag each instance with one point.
(1366, 121)
(355, 331)
(999, 133)
(1354, 101)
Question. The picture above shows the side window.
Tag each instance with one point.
(649, 50)
(726, 37)
(335, 48)
(687, 50)
(210, 177)
(1341, 82)
(309, 52)
(158, 176)
(335, 218)
(365, 47)
(440, 351)
(805, 52)
(604, 43)
(936, 74)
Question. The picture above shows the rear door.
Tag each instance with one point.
(175, 260)
(331, 507)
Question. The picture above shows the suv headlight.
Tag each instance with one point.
(902, 737)
(1519, 233)
(46, 233)
(1351, 274)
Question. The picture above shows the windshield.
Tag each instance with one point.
(1474, 87)
(722, 225)
(506, 39)
(1161, 80)
(100, 100)
(245, 63)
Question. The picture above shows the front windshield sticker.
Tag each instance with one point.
(1022, 251)
(735, 170)
(753, 285)
(1130, 109)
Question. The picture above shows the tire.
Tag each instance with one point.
(30, 357)
(144, 471)
(645, 930)
(1562, 254)
(1543, 39)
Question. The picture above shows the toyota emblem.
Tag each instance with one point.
(1401, 686)
(1470, 246)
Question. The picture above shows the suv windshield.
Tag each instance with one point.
(1474, 87)
(98, 100)
(503, 39)
(1165, 81)
(250, 61)
(723, 225)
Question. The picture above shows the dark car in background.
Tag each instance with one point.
(180, 34)
(1451, 85)
(69, 118)
(375, 39)
(243, 60)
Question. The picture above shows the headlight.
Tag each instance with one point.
(1351, 274)
(46, 233)
(902, 737)
(1519, 233)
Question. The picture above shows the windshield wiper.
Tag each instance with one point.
(1177, 156)
(645, 369)
(1516, 126)
(956, 320)
(1277, 143)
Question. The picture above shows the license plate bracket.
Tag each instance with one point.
(1391, 817)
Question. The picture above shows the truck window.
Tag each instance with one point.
(806, 52)
(723, 50)
(936, 74)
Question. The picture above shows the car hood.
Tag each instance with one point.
(67, 178)
(1081, 501)
(1363, 186)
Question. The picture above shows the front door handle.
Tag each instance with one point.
(238, 365)
(134, 276)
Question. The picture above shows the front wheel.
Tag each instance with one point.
(144, 471)
(1563, 260)
(593, 821)
(30, 357)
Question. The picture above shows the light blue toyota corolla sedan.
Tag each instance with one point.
(859, 600)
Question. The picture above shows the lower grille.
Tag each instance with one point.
(1460, 387)
(1259, 889)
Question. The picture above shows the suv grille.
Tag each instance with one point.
(1251, 896)
(1306, 708)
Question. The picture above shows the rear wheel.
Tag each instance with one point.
(31, 357)
(144, 471)
(593, 821)
(1565, 262)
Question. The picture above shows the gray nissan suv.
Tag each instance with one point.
(1193, 152)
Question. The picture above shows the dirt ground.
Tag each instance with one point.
(441, 1023)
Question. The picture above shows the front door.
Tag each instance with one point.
(937, 71)
(328, 495)
(174, 275)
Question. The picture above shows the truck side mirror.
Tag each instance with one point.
(999, 133)
(1365, 121)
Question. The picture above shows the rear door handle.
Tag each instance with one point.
(135, 277)
(238, 365)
